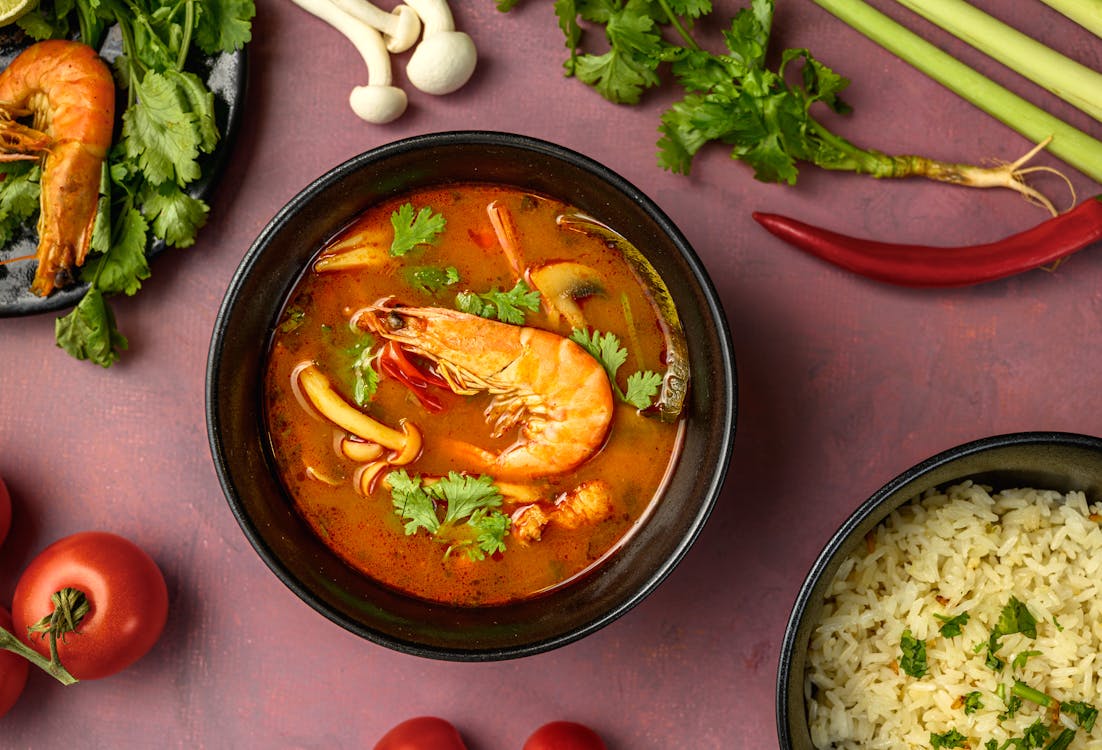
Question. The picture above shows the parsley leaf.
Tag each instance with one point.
(471, 519)
(913, 661)
(606, 349)
(951, 625)
(508, 307)
(952, 738)
(413, 229)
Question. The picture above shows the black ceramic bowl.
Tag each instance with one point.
(1047, 460)
(267, 515)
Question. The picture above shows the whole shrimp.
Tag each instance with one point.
(550, 387)
(69, 90)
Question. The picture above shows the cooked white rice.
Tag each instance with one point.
(963, 550)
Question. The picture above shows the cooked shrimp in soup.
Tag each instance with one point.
(474, 393)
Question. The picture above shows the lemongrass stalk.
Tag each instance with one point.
(1076, 84)
(1086, 13)
(1068, 143)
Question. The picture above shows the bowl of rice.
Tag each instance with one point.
(959, 606)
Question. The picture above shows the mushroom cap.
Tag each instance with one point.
(442, 62)
(378, 104)
(406, 30)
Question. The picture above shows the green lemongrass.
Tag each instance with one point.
(1073, 82)
(1068, 143)
(1086, 13)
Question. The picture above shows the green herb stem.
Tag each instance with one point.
(1068, 143)
(1071, 81)
(1083, 12)
(1031, 694)
(678, 26)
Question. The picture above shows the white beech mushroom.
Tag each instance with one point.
(400, 27)
(445, 58)
(378, 102)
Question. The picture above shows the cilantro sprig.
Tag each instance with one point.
(641, 386)
(458, 510)
(414, 227)
(507, 306)
(912, 655)
(168, 124)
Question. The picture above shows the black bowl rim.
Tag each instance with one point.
(727, 392)
(870, 506)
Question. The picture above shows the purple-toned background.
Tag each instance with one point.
(843, 383)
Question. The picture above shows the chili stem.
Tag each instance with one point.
(1073, 146)
(51, 666)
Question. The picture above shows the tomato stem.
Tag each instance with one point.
(51, 666)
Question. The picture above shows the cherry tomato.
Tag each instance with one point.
(125, 590)
(422, 733)
(564, 735)
(5, 511)
(13, 670)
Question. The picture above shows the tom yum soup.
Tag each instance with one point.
(474, 394)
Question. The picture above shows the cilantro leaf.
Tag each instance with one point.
(160, 134)
(365, 379)
(176, 216)
(973, 702)
(89, 332)
(1020, 659)
(224, 26)
(471, 521)
(952, 738)
(952, 624)
(913, 660)
(1084, 713)
(412, 503)
(1015, 618)
(413, 229)
(124, 267)
(508, 307)
(605, 348)
(430, 279)
(20, 196)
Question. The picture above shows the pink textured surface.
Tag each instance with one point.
(843, 383)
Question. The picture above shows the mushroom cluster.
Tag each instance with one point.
(441, 63)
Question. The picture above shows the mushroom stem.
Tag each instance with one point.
(319, 391)
(378, 102)
(400, 27)
(435, 15)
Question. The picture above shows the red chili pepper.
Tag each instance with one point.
(394, 362)
(920, 265)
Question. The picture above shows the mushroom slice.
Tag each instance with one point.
(563, 283)
(365, 248)
(319, 391)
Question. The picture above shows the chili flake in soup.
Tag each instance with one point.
(473, 394)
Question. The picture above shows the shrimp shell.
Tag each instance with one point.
(69, 90)
(553, 390)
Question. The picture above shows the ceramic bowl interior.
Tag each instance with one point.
(1058, 461)
(267, 515)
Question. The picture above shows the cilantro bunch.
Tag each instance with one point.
(732, 96)
(168, 123)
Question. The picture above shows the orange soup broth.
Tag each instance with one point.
(365, 531)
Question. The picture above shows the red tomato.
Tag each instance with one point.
(5, 511)
(126, 592)
(422, 733)
(564, 735)
(13, 670)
